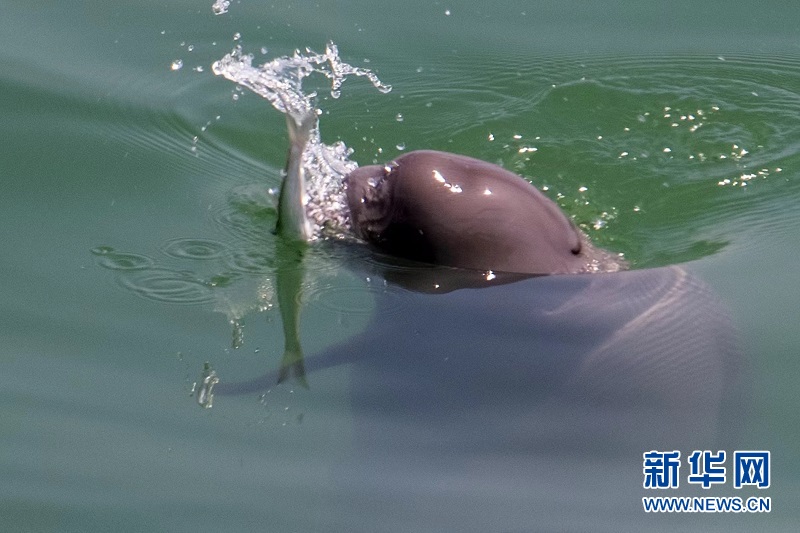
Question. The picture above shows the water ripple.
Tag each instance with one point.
(113, 260)
(352, 299)
(165, 285)
(664, 158)
(250, 261)
(199, 249)
(247, 214)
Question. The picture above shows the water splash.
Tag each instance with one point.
(280, 82)
(220, 7)
(205, 388)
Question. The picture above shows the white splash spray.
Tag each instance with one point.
(280, 82)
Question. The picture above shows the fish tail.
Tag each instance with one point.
(300, 127)
(292, 366)
(292, 220)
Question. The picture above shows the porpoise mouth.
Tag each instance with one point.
(366, 197)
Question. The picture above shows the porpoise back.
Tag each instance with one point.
(454, 210)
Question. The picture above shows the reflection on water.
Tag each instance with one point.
(652, 350)
(515, 394)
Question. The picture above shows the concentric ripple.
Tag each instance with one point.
(248, 213)
(198, 249)
(250, 261)
(166, 285)
(355, 299)
(113, 260)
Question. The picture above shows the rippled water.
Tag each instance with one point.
(137, 218)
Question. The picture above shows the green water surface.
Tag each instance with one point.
(135, 228)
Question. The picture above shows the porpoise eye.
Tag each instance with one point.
(388, 170)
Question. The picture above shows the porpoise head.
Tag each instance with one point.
(454, 210)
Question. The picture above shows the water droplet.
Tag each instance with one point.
(237, 36)
(102, 250)
(447, 12)
(177, 64)
(220, 7)
(401, 146)
(399, 117)
(190, 47)
(205, 394)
